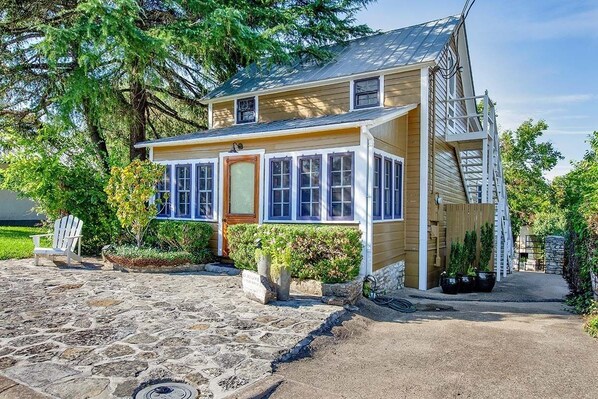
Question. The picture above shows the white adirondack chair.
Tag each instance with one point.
(67, 238)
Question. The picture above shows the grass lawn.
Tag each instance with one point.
(15, 242)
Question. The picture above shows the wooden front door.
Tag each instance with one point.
(241, 193)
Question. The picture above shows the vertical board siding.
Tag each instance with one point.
(389, 237)
(467, 217)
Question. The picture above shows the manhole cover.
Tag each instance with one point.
(167, 390)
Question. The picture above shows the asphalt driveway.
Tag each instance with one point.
(466, 349)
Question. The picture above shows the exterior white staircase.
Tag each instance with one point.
(477, 145)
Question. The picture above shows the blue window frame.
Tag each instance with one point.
(280, 188)
(388, 207)
(366, 93)
(183, 191)
(204, 176)
(377, 195)
(340, 186)
(309, 172)
(398, 190)
(163, 194)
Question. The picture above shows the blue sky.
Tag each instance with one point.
(537, 58)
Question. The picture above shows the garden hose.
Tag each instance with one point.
(370, 290)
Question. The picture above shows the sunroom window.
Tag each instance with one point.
(387, 187)
(246, 112)
(309, 187)
(280, 188)
(205, 190)
(341, 186)
(183, 191)
(377, 200)
(366, 93)
(163, 196)
(388, 206)
(398, 190)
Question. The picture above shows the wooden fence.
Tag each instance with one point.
(466, 217)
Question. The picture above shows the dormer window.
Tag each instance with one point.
(246, 110)
(366, 93)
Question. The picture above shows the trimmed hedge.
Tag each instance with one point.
(331, 254)
(126, 255)
(182, 236)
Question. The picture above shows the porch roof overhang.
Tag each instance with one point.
(361, 118)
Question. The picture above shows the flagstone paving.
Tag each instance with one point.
(87, 333)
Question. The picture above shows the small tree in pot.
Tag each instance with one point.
(485, 278)
(448, 279)
(467, 271)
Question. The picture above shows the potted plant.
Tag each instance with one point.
(281, 273)
(448, 279)
(467, 274)
(485, 278)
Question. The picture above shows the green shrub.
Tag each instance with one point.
(174, 235)
(487, 241)
(130, 255)
(330, 254)
(591, 325)
(457, 259)
(470, 246)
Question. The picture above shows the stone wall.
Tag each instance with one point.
(555, 254)
(391, 277)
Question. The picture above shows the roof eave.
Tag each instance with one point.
(283, 132)
(403, 68)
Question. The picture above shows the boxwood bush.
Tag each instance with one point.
(129, 255)
(174, 235)
(331, 254)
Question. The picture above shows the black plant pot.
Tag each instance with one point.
(450, 285)
(467, 284)
(485, 281)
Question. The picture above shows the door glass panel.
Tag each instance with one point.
(242, 181)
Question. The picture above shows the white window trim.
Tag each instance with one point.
(193, 163)
(352, 93)
(295, 155)
(451, 125)
(210, 115)
(393, 158)
(257, 109)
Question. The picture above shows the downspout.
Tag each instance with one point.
(369, 233)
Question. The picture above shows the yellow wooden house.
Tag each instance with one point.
(380, 137)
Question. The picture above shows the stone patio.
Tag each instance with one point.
(91, 333)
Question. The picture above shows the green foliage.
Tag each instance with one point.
(582, 303)
(525, 160)
(458, 258)
(129, 190)
(591, 325)
(16, 243)
(59, 170)
(281, 260)
(329, 254)
(470, 246)
(549, 222)
(191, 237)
(487, 246)
(149, 254)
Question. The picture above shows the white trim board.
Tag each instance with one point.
(423, 183)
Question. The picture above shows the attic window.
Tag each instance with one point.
(246, 110)
(366, 93)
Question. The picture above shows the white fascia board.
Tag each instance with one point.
(233, 137)
(423, 184)
(317, 83)
(383, 119)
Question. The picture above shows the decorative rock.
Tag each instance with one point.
(79, 388)
(219, 269)
(118, 350)
(40, 374)
(74, 353)
(554, 249)
(332, 294)
(126, 388)
(121, 368)
(391, 277)
(258, 287)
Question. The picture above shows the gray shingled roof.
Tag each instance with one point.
(405, 46)
(364, 115)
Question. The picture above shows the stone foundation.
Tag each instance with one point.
(391, 277)
(555, 254)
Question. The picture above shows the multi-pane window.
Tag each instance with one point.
(366, 93)
(388, 188)
(204, 175)
(280, 188)
(163, 196)
(377, 199)
(183, 191)
(398, 190)
(246, 110)
(341, 186)
(309, 187)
